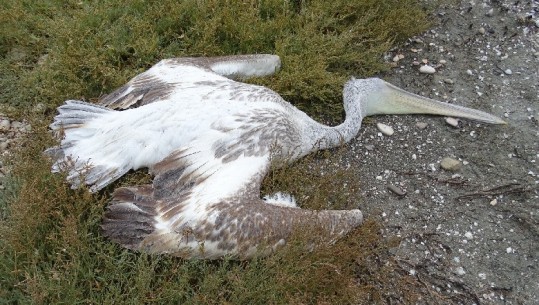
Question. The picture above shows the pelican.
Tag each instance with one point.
(209, 140)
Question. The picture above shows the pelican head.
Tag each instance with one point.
(376, 96)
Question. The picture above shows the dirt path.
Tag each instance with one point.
(471, 235)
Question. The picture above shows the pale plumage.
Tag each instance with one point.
(209, 141)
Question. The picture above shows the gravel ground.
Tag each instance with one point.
(470, 234)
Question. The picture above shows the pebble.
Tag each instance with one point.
(5, 125)
(508, 71)
(395, 189)
(494, 202)
(427, 69)
(460, 271)
(398, 57)
(450, 164)
(442, 61)
(421, 125)
(385, 129)
(490, 13)
(3, 146)
(448, 81)
(469, 72)
(18, 125)
(39, 108)
(452, 121)
(482, 30)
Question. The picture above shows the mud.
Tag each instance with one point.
(472, 235)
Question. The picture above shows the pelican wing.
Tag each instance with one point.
(171, 75)
(205, 198)
(194, 189)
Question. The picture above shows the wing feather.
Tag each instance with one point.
(170, 75)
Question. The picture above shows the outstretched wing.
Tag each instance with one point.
(171, 75)
(205, 198)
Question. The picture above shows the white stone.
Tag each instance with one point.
(427, 69)
(5, 125)
(17, 125)
(508, 71)
(452, 121)
(421, 125)
(450, 164)
(385, 129)
(468, 235)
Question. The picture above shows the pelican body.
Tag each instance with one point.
(209, 141)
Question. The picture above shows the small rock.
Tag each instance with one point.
(468, 235)
(385, 129)
(39, 108)
(482, 30)
(3, 146)
(450, 164)
(369, 147)
(460, 271)
(442, 61)
(427, 69)
(448, 81)
(452, 121)
(469, 72)
(395, 189)
(490, 12)
(17, 125)
(508, 71)
(421, 125)
(5, 125)
(494, 202)
(398, 57)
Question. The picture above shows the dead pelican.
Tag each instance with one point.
(209, 141)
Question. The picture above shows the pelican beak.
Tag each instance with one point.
(393, 100)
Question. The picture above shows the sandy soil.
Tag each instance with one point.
(470, 235)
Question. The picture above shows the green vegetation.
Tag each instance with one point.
(51, 249)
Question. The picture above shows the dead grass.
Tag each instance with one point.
(51, 248)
